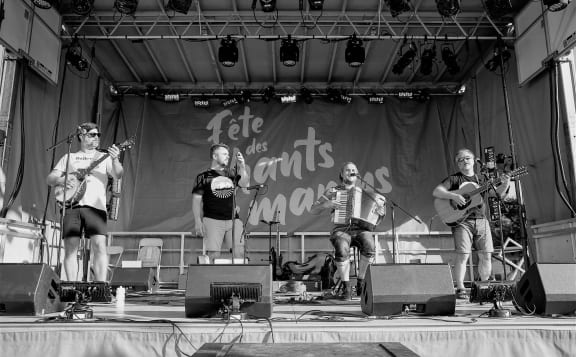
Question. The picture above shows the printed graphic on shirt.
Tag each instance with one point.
(222, 187)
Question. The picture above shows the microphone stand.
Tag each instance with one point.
(235, 181)
(245, 223)
(68, 141)
(501, 229)
(271, 251)
(393, 204)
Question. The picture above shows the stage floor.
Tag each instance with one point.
(156, 325)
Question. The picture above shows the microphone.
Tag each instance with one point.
(254, 187)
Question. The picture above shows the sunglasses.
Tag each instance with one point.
(93, 135)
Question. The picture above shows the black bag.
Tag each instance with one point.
(319, 265)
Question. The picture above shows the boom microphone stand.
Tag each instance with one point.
(68, 141)
(393, 204)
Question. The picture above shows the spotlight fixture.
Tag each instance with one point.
(268, 5)
(448, 8)
(306, 95)
(427, 60)
(316, 4)
(228, 52)
(288, 98)
(82, 7)
(556, 5)
(497, 9)
(114, 92)
(201, 102)
(375, 99)
(289, 53)
(450, 60)
(397, 6)
(181, 6)
(152, 90)
(44, 4)
(229, 102)
(171, 98)
(338, 97)
(501, 55)
(126, 7)
(405, 59)
(269, 93)
(245, 96)
(74, 56)
(354, 54)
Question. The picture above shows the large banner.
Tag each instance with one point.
(295, 151)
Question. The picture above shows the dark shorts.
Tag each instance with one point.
(91, 220)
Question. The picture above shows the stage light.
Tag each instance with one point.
(493, 292)
(74, 56)
(171, 98)
(556, 5)
(181, 6)
(288, 98)
(427, 60)
(228, 52)
(201, 102)
(448, 8)
(289, 53)
(450, 59)
(82, 7)
(245, 96)
(152, 90)
(316, 4)
(397, 6)
(375, 99)
(497, 9)
(354, 54)
(337, 97)
(229, 102)
(405, 59)
(44, 4)
(126, 7)
(501, 56)
(268, 5)
(306, 95)
(269, 93)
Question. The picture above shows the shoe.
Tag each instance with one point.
(359, 287)
(461, 294)
(346, 291)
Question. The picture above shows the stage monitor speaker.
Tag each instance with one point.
(547, 289)
(392, 289)
(214, 288)
(134, 279)
(29, 289)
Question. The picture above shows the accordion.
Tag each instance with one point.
(359, 207)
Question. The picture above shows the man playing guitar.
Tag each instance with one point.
(87, 212)
(473, 228)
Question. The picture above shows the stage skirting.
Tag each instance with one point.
(138, 331)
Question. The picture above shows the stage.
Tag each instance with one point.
(156, 325)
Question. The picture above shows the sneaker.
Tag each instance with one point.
(461, 294)
(359, 286)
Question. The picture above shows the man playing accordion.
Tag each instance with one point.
(349, 229)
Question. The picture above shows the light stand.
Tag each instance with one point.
(395, 243)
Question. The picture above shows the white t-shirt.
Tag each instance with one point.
(96, 181)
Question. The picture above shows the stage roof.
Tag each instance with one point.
(157, 46)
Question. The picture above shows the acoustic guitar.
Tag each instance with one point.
(451, 213)
(76, 189)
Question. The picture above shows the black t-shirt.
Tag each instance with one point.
(217, 193)
(453, 182)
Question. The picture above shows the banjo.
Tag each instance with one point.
(75, 189)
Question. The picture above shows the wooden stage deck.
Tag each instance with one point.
(156, 325)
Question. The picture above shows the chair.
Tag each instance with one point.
(114, 259)
(150, 253)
